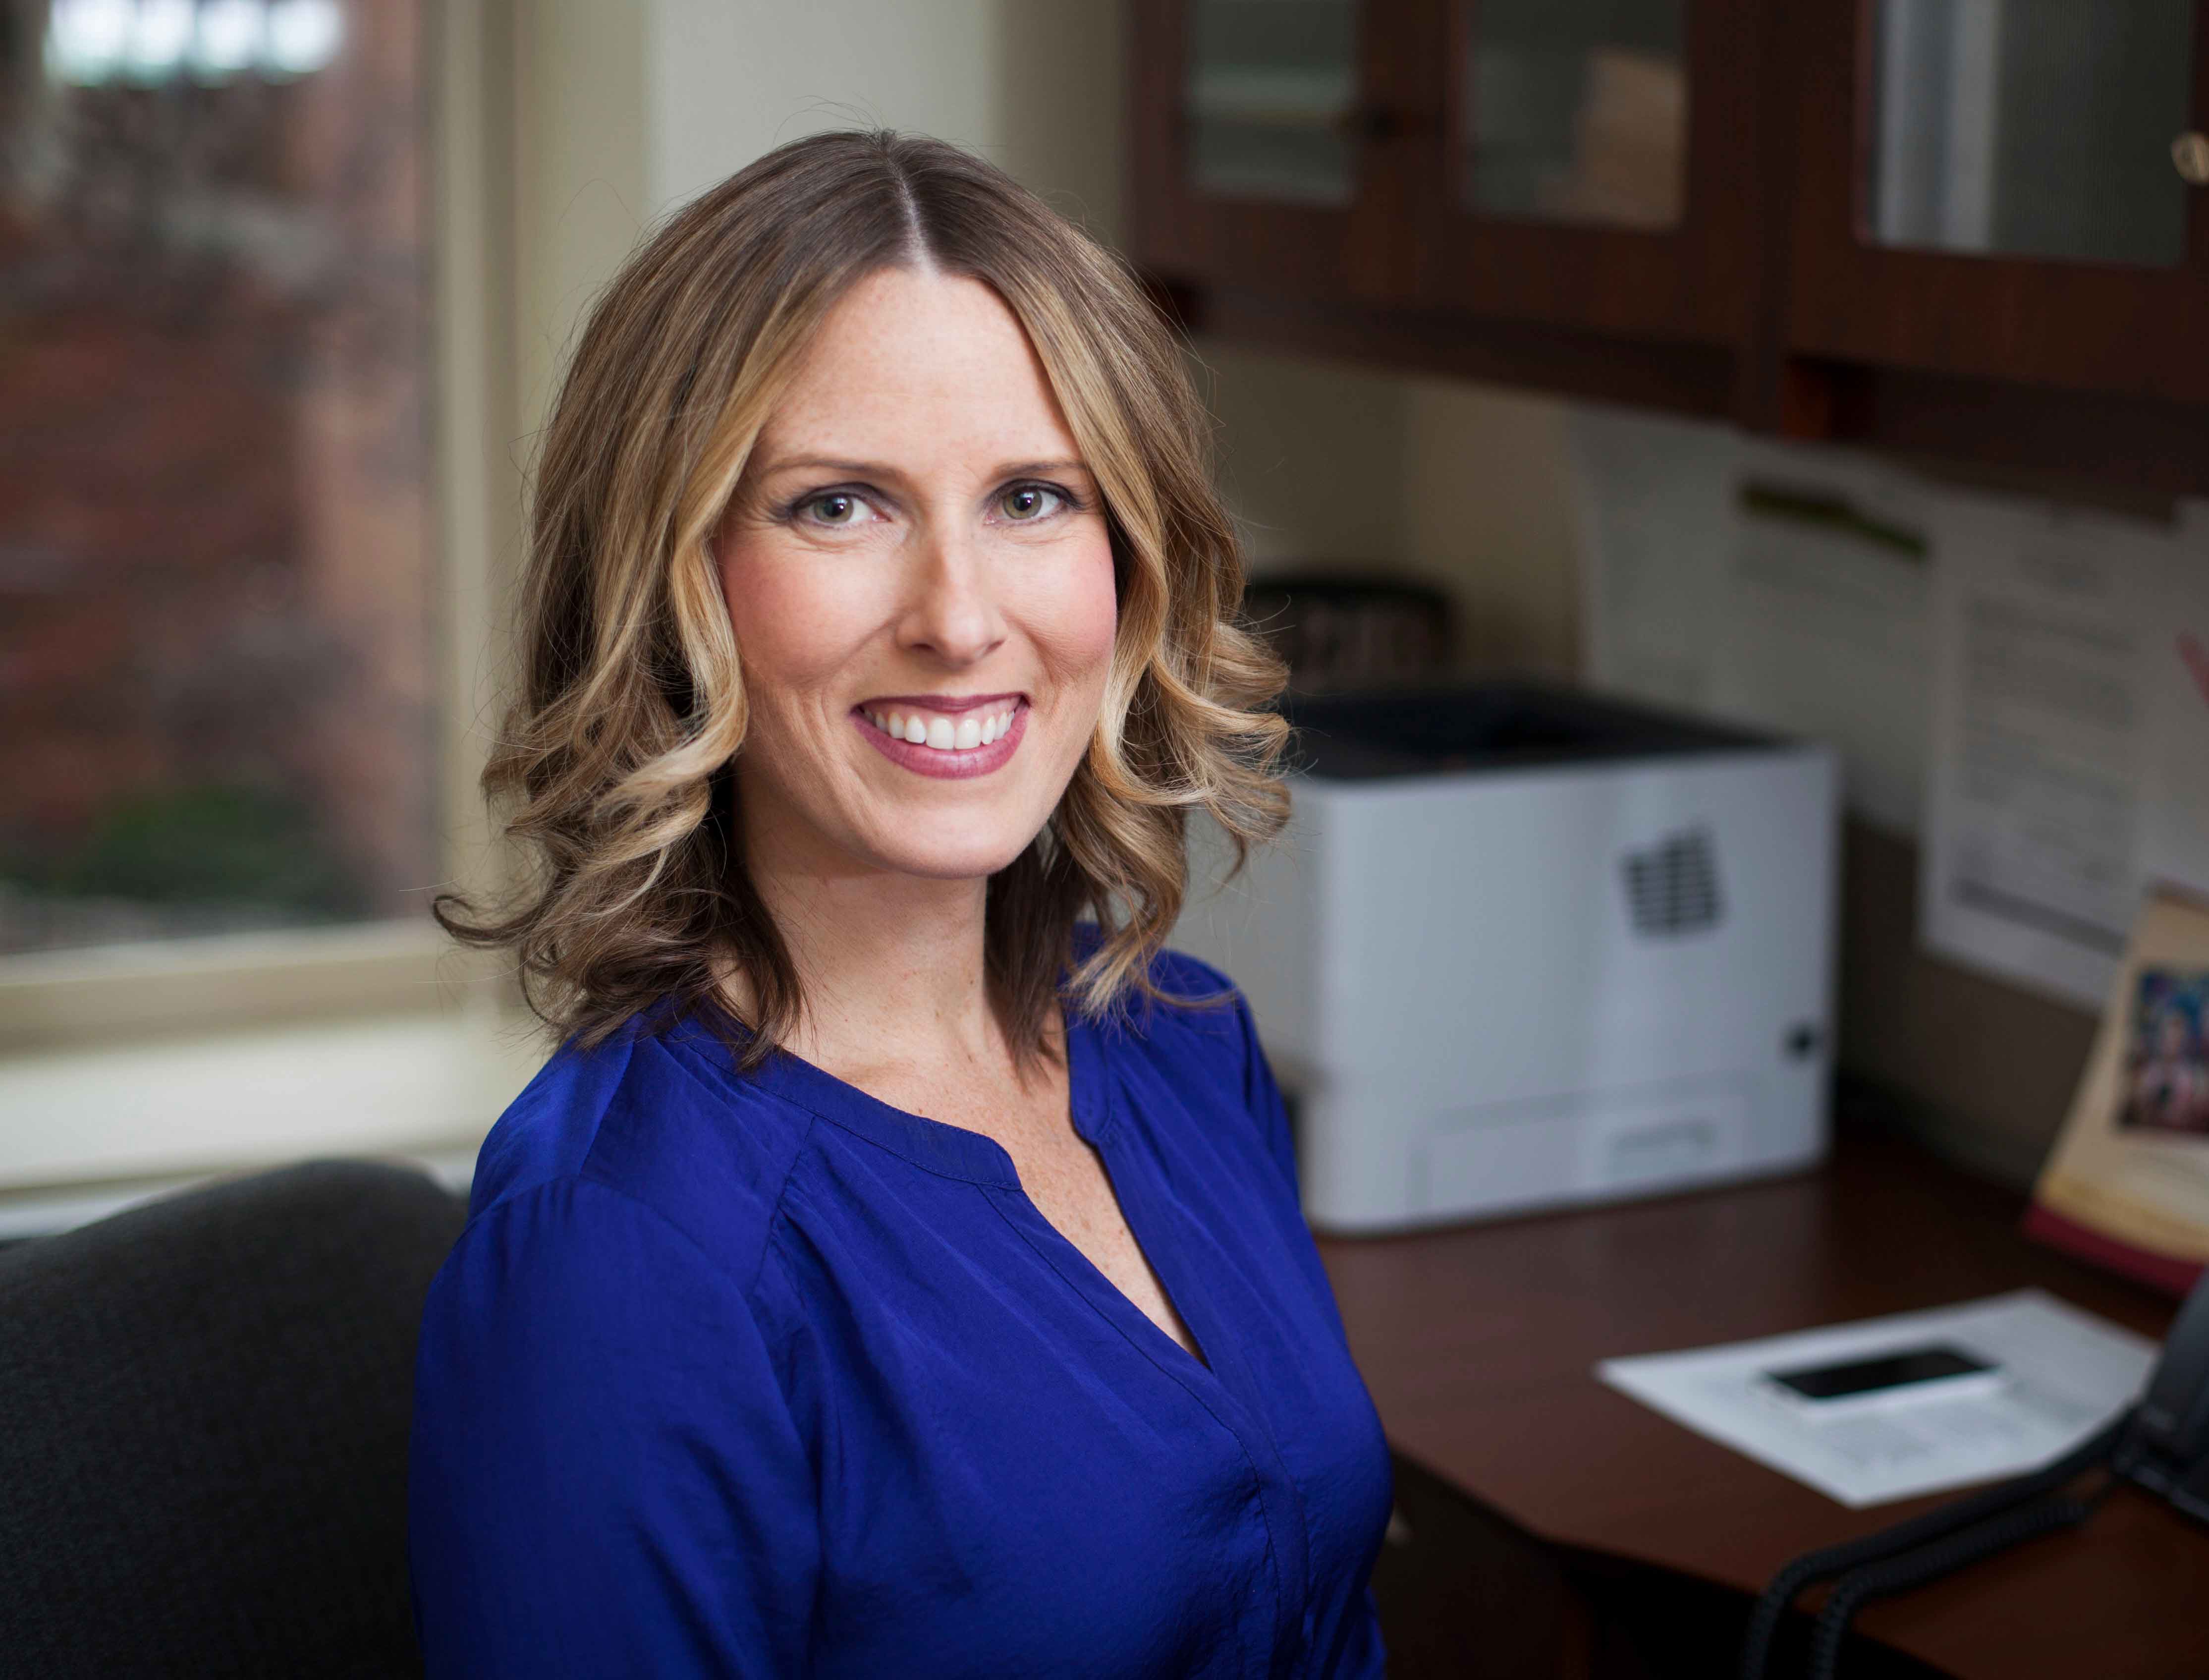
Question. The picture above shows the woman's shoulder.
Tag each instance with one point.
(640, 1121)
(1195, 1043)
(1185, 994)
(1176, 979)
(1191, 1016)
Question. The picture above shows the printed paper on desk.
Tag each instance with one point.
(2066, 1373)
(2036, 799)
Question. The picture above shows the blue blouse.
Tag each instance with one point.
(754, 1375)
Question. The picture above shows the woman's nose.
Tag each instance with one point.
(950, 612)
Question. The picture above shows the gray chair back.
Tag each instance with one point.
(204, 1406)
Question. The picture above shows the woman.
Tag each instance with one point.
(887, 1275)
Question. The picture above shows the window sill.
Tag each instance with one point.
(59, 1000)
(92, 1130)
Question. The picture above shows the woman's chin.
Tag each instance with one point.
(953, 857)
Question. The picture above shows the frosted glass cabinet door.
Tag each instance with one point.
(2032, 128)
(1593, 173)
(1575, 111)
(1269, 88)
(1257, 131)
(2002, 190)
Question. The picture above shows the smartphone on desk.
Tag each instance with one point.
(1878, 1381)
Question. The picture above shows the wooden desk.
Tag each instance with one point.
(1479, 1345)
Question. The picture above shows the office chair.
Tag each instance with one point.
(204, 1405)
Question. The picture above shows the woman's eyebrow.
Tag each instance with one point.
(1029, 469)
(879, 469)
(858, 469)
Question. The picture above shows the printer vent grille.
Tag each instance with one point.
(1672, 886)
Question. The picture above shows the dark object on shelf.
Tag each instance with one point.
(1346, 632)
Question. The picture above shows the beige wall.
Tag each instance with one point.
(1462, 486)
(1488, 504)
(579, 182)
(1311, 457)
(625, 108)
(1032, 84)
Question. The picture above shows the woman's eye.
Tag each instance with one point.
(836, 507)
(1026, 503)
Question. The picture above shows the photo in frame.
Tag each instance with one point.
(2166, 1086)
(2126, 1184)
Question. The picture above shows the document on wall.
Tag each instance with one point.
(2025, 688)
(1780, 587)
(2036, 794)
(2175, 845)
(1655, 520)
(1825, 631)
(2052, 1375)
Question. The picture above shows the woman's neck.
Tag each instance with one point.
(891, 966)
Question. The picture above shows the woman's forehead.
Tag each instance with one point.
(922, 364)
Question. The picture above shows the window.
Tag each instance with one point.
(257, 481)
(217, 682)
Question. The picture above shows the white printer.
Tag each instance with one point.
(1522, 946)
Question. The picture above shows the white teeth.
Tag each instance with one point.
(940, 734)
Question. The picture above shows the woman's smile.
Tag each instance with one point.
(945, 735)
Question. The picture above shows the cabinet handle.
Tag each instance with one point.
(2189, 156)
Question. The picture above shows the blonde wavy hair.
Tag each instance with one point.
(613, 772)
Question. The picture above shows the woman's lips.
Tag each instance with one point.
(956, 757)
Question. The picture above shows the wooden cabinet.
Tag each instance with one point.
(1973, 226)
(1253, 146)
(1536, 159)
(1585, 166)
(2002, 192)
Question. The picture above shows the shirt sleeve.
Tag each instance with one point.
(604, 1479)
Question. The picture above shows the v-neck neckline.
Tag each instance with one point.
(1095, 1117)
(1111, 1303)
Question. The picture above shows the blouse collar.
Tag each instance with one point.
(953, 1152)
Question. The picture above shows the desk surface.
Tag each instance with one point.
(1479, 1345)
